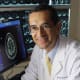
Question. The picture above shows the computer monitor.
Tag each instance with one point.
(12, 48)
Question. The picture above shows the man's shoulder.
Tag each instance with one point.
(73, 43)
(70, 42)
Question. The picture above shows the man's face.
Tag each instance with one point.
(43, 30)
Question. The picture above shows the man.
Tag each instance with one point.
(63, 53)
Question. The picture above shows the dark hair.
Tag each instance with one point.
(51, 9)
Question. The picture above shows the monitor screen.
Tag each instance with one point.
(12, 48)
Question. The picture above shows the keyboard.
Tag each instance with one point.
(17, 76)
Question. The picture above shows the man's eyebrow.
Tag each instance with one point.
(32, 25)
(44, 23)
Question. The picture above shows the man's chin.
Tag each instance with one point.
(42, 46)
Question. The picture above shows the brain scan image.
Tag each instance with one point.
(10, 46)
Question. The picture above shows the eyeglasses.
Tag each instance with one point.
(35, 29)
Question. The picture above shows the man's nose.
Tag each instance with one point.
(42, 31)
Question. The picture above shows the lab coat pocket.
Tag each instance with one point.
(62, 78)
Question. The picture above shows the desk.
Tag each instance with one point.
(15, 70)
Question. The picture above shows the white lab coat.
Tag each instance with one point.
(65, 66)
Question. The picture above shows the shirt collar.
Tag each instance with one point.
(52, 53)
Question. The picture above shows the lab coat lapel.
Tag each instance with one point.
(58, 61)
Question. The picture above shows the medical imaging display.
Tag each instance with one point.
(12, 49)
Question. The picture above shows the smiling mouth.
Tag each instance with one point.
(42, 40)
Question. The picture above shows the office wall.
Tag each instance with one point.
(74, 30)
